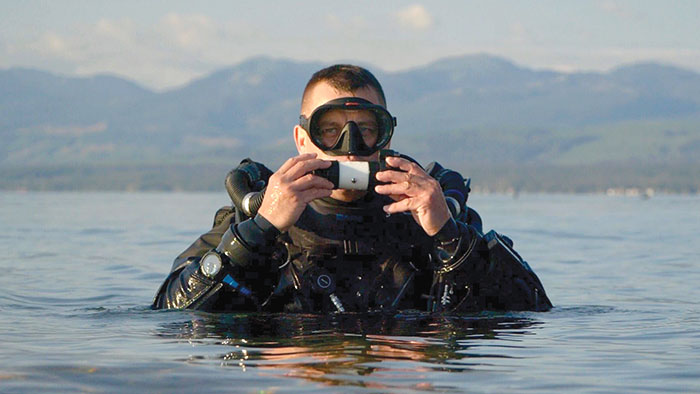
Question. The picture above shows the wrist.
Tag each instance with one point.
(269, 230)
(257, 231)
(263, 217)
(448, 233)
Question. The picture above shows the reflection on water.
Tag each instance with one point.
(350, 349)
(80, 270)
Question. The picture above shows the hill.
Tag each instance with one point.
(475, 113)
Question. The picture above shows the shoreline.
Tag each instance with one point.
(620, 192)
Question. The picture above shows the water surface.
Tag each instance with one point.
(80, 269)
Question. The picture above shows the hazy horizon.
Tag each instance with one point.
(161, 45)
(373, 68)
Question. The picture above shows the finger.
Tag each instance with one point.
(399, 206)
(310, 181)
(390, 176)
(294, 160)
(404, 164)
(400, 176)
(312, 194)
(303, 167)
(403, 188)
(398, 197)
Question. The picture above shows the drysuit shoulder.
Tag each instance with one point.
(224, 214)
(474, 219)
(525, 291)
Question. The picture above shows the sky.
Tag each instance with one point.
(164, 44)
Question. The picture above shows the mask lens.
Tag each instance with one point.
(385, 128)
(375, 124)
(327, 132)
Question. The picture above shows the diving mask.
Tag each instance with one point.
(360, 137)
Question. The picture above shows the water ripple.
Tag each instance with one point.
(50, 302)
(76, 317)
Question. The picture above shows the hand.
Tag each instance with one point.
(415, 191)
(291, 188)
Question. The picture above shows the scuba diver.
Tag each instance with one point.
(349, 225)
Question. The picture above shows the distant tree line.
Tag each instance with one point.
(596, 178)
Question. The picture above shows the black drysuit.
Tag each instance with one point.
(352, 257)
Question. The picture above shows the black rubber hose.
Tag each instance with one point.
(453, 185)
(238, 186)
(245, 185)
(254, 203)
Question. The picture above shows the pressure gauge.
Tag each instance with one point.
(210, 264)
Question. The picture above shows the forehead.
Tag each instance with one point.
(322, 92)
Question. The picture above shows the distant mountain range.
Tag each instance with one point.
(469, 112)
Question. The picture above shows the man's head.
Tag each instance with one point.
(336, 82)
(343, 78)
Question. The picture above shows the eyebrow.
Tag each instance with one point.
(324, 123)
(328, 123)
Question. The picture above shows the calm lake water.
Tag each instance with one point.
(79, 271)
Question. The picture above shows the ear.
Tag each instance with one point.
(300, 138)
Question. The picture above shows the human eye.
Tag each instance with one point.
(369, 129)
(330, 131)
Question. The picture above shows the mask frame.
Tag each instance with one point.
(350, 141)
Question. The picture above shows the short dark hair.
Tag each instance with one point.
(346, 77)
